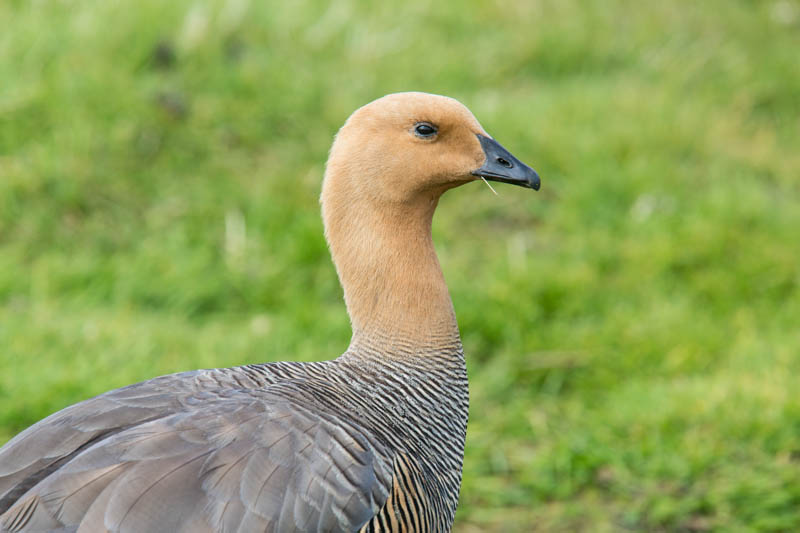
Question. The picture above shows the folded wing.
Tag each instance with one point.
(268, 459)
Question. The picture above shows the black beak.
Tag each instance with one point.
(500, 165)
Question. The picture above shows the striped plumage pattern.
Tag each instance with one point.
(408, 507)
(379, 436)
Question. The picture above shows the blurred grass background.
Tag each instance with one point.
(631, 330)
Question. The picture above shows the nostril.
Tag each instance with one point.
(504, 162)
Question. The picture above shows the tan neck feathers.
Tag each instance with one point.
(393, 284)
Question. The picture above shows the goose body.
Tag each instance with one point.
(370, 441)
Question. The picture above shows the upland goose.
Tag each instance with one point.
(370, 441)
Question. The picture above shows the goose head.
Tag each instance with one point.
(407, 146)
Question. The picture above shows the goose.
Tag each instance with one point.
(370, 441)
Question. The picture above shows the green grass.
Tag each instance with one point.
(631, 330)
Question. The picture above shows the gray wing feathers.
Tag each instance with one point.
(43, 447)
(249, 461)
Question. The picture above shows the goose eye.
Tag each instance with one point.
(425, 130)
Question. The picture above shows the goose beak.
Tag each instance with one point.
(501, 166)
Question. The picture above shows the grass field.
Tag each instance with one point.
(631, 330)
